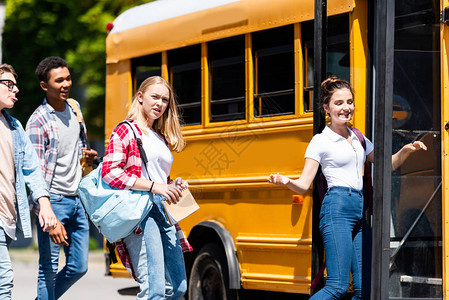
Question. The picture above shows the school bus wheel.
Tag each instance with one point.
(209, 275)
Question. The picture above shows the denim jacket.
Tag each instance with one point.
(28, 171)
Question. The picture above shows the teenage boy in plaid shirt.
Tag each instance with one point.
(56, 134)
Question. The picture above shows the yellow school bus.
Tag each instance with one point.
(243, 72)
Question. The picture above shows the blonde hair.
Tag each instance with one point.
(168, 125)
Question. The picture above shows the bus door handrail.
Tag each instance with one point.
(404, 239)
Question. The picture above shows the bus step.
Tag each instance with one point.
(421, 280)
(407, 298)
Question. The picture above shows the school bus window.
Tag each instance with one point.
(308, 76)
(144, 67)
(185, 76)
(337, 62)
(274, 90)
(227, 79)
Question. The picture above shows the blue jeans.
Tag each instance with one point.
(157, 257)
(135, 245)
(347, 244)
(6, 274)
(52, 284)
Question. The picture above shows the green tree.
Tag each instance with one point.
(74, 30)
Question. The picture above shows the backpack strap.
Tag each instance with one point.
(318, 276)
(143, 155)
(76, 109)
(367, 178)
(83, 135)
(360, 136)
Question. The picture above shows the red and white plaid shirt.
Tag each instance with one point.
(122, 166)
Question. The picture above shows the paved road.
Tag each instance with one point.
(94, 285)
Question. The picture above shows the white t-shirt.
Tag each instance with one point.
(341, 163)
(159, 157)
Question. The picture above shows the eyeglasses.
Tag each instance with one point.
(9, 83)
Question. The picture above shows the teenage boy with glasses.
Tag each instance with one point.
(20, 167)
(55, 132)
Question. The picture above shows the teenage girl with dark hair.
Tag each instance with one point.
(345, 233)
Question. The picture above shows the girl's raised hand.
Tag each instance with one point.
(415, 146)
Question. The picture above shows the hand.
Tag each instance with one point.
(171, 192)
(47, 218)
(179, 182)
(415, 146)
(399, 157)
(89, 155)
(59, 235)
(278, 179)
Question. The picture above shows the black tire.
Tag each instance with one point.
(209, 279)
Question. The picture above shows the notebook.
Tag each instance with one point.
(184, 208)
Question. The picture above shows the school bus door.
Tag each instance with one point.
(444, 30)
(419, 213)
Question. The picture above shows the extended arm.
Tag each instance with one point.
(302, 184)
(401, 156)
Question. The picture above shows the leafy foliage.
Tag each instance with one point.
(74, 30)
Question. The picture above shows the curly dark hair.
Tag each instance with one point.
(48, 64)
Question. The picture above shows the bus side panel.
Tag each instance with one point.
(272, 235)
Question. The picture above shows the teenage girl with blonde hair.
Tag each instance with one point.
(154, 250)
